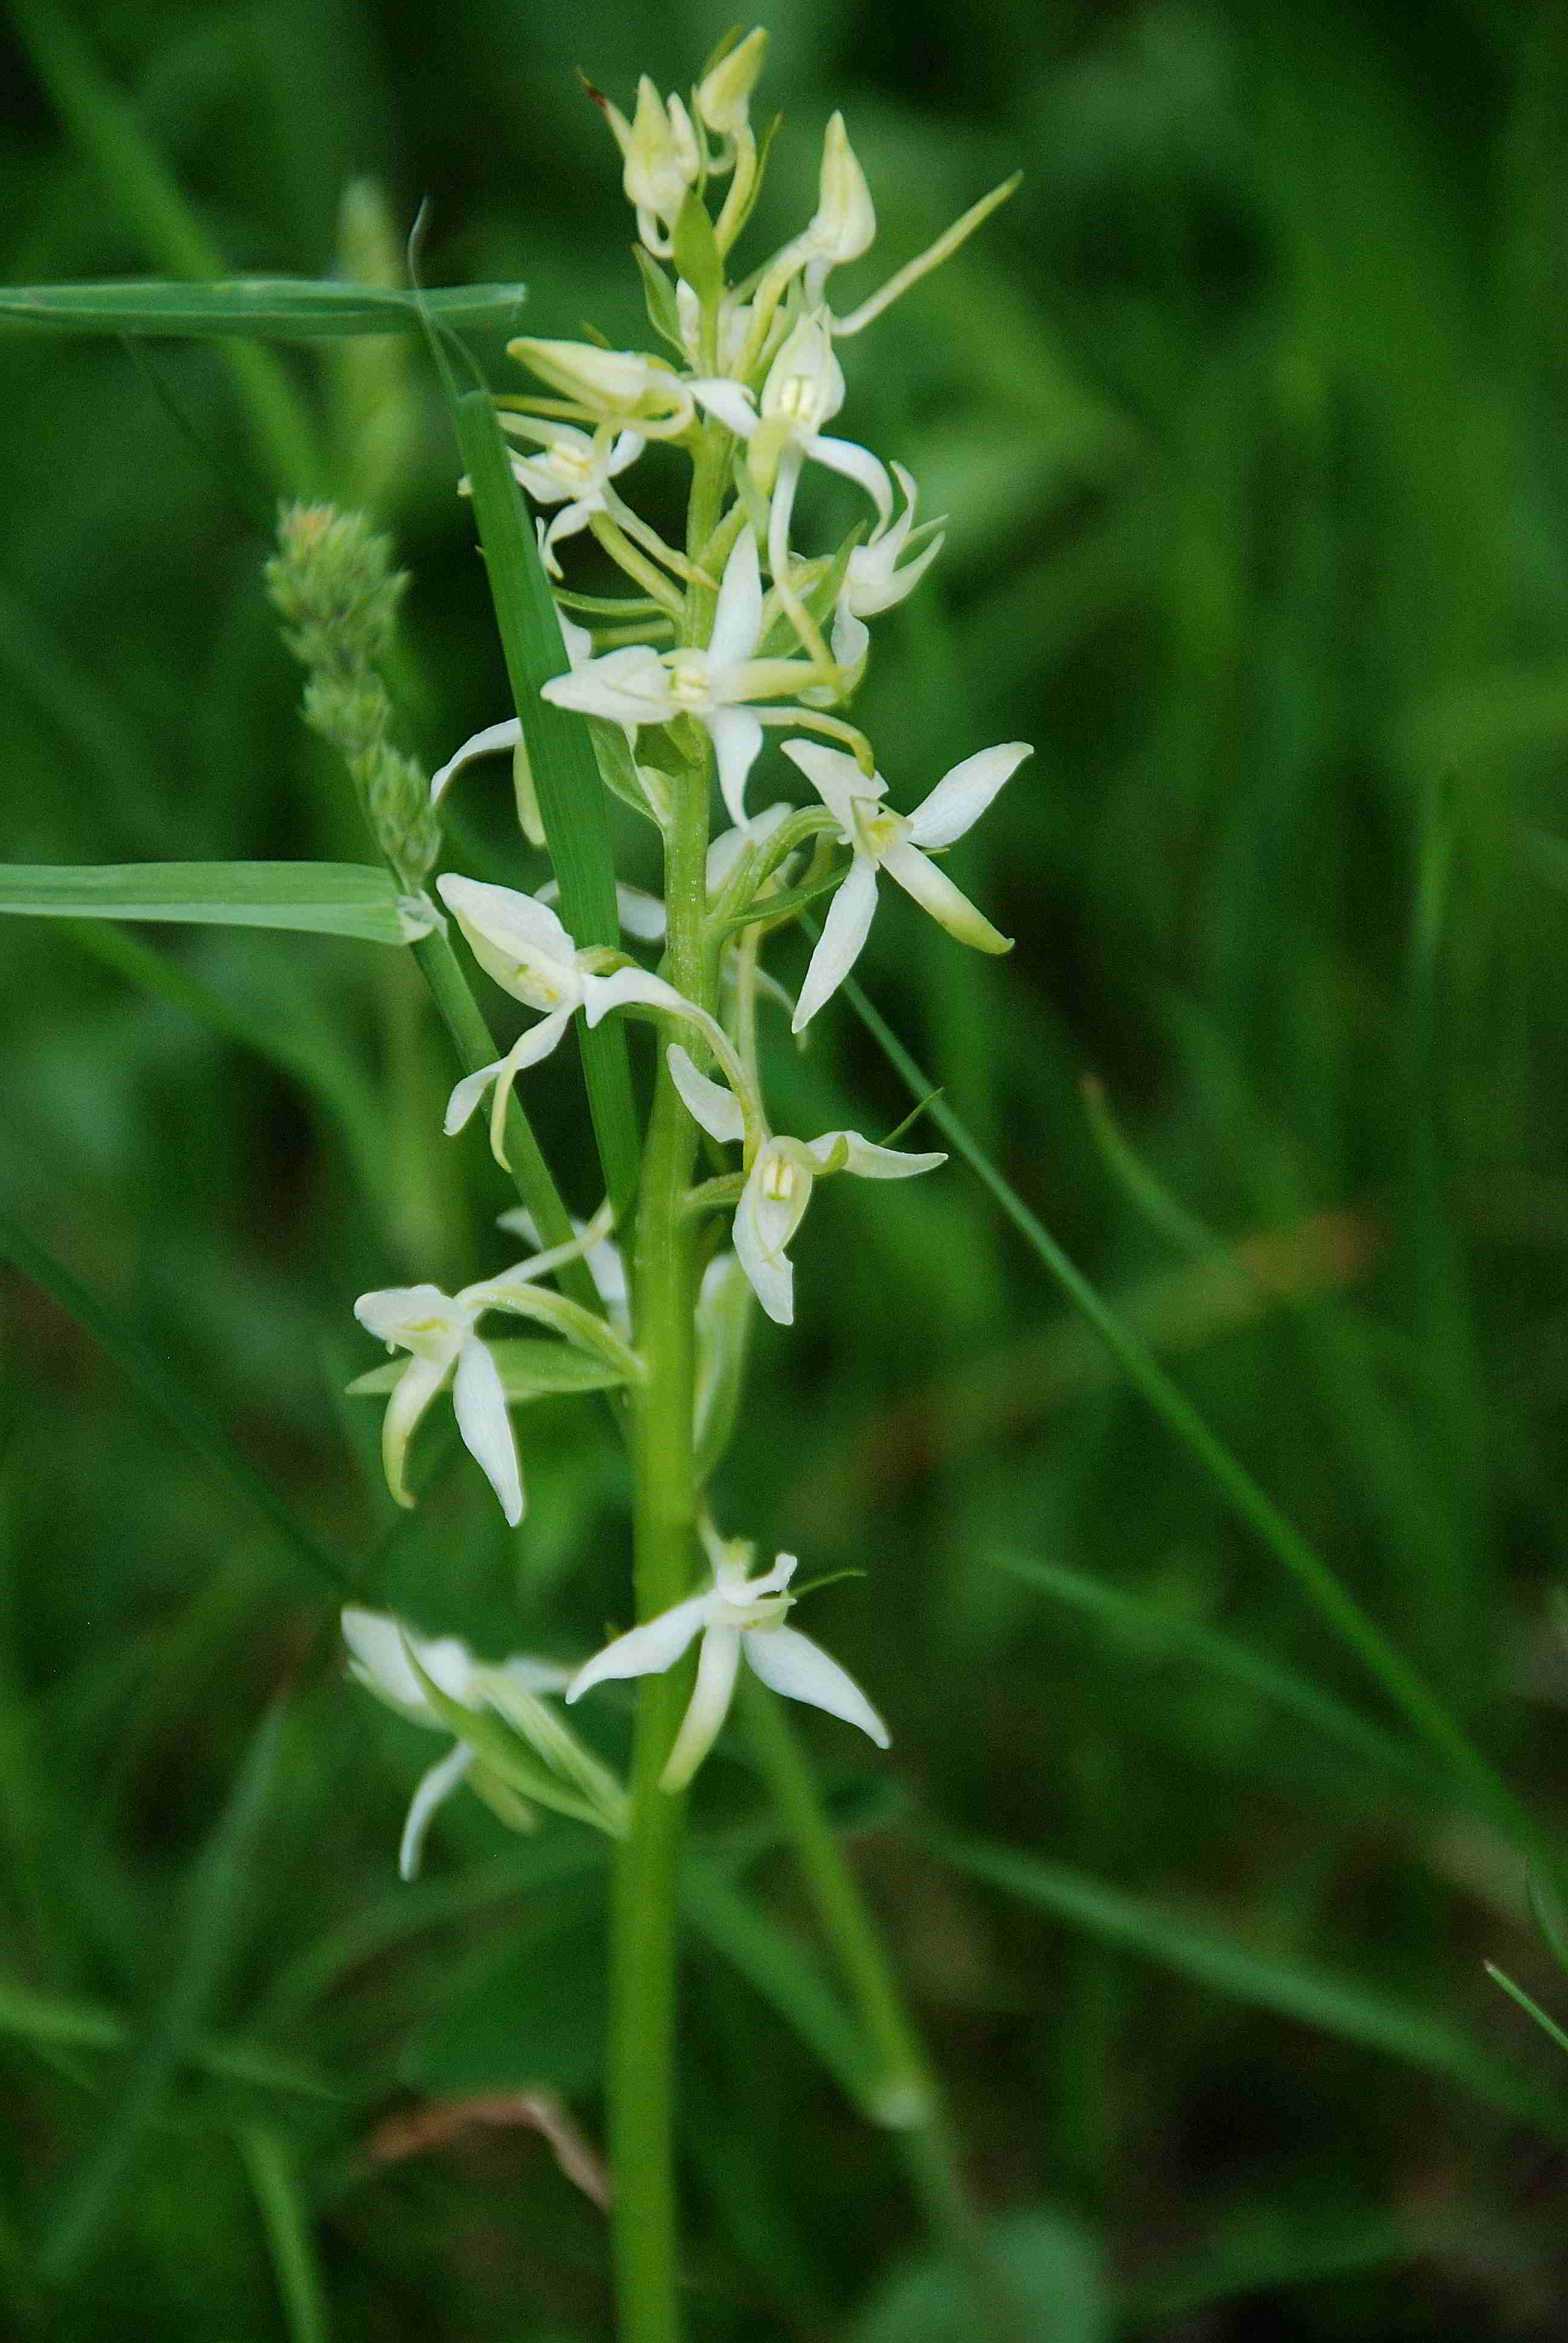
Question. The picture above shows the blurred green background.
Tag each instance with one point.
(1248, 414)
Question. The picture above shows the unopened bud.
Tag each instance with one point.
(724, 93)
(845, 221)
(608, 383)
(660, 149)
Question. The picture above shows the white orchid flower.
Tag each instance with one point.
(662, 160)
(901, 844)
(520, 941)
(573, 469)
(494, 740)
(437, 1331)
(737, 1618)
(780, 1177)
(882, 572)
(718, 686)
(378, 1659)
(804, 389)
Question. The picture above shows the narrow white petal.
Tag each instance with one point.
(716, 1665)
(737, 736)
(480, 1402)
(869, 595)
(851, 638)
(570, 522)
(728, 401)
(708, 1102)
(465, 1096)
(869, 1161)
(378, 1659)
(934, 892)
(645, 1651)
(626, 450)
(844, 932)
(962, 796)
(631, 686)
(488, 743)
(434, 1788)
(415, 1388)
(857, 464)
(836, 778)
(780, 511)
(767, 1269)
(633, 988)
(792, 1664)
(737, 615)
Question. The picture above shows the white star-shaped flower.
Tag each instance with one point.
(573, 469)
(378, 1659)
(718, 686)
(521, 942)
(780, 1177)
(783, 432)
(739, 1617)
(901, 844)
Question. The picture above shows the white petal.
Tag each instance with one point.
(737, 736)
(851, 638)
(728, 401)
(962, 796)
(708, 1102)
(465, 1096)
(435, 1787)
(869, 1161)
(533, 1676)
(516, 938)
(716, 1665)
(626, 450)
(645, 1651)
(570, 522)
(526, 1051)
(867, 596)
(633, 988)
(792, 1664)
(836, 778)
(857, 464)
(934, 892)
(759, 1247)
(731, 844)
(508, 734)
(737, 617)
(378, 1659)
(405, 1314)
(641, 915)
(844, 932)
(480, 1401)
(412, 1393)
(631, 686)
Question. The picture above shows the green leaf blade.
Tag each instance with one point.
(252, 308)
(331, 898)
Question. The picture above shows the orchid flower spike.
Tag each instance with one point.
(901, 844)
(803, 390)
(779, 1180)
(378, 1659)
(739, 1617)
(573, 469)
(521, 942)
(718, 686)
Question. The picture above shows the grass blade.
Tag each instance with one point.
(573, 803)
(217, 1895)
(253, 308)
(786, 1977)
(1382, 1659)
(172, 1399)
(1139, 1621)
(1548, 2025)
(325, 899)
(53, 2023)
(286, 2217)
(137, 185)
(1298, 1991)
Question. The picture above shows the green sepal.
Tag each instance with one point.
(530, 1370)
(506, 1754)
(658, 297)
(696, 254)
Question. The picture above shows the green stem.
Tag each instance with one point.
(909, 2098)
(643, 1955)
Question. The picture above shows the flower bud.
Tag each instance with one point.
(845, 221)
(609, 382)
(724, 93)
(659, 149)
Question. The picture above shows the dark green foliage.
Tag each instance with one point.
(1246, 415)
